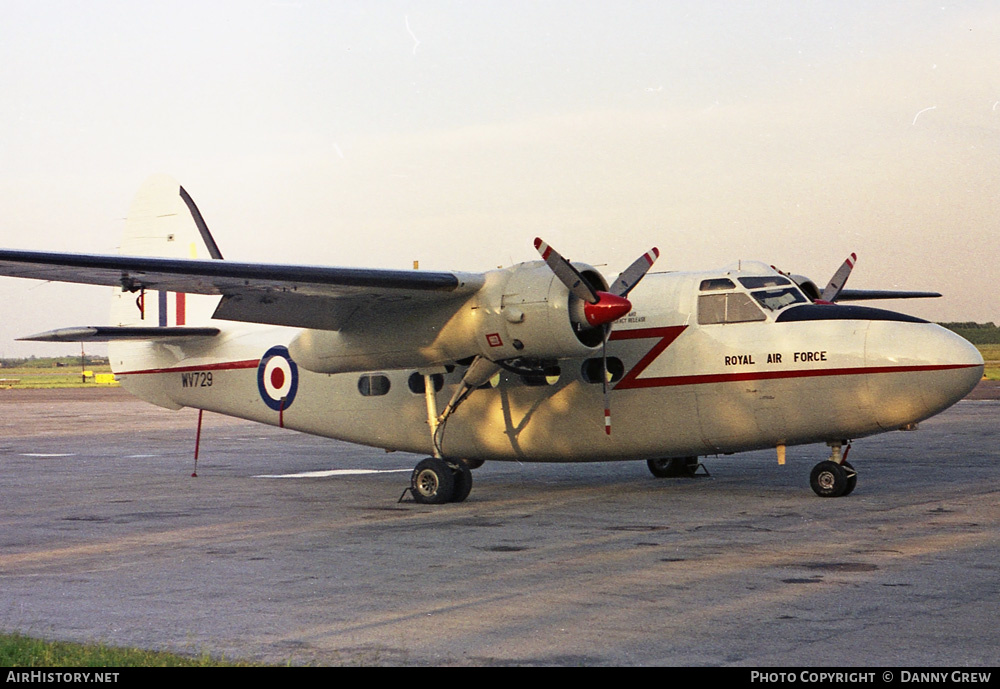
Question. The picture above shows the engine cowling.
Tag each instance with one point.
(808, 287)
(532, 315)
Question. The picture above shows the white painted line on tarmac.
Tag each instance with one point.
(335, 472)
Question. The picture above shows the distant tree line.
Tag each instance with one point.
(976, 333)
(51, 361)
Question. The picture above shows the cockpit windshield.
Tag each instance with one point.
(777, 299)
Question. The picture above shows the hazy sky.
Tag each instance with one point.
(376, 133)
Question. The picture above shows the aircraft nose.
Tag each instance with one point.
(924, 369)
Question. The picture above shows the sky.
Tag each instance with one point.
(373, 134)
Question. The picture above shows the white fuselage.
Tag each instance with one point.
(687, 383)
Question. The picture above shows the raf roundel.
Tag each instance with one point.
(277, 378)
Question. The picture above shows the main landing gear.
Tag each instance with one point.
(436, 481)
(834, 477)
(673, 467)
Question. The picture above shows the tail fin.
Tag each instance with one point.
(164, 222)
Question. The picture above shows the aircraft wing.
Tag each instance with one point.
(868, 294)
(303, 296)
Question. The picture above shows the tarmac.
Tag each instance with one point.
(106, 536)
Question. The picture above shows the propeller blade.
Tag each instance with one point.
(630, 277)
(604, 380)
(838, 280)
(566, 273)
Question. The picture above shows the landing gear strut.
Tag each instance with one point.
(437, 480)
(835, 477)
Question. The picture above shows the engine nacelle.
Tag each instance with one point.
(532, 315)
(523, 312)
(807, 286)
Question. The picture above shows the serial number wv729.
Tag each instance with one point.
(196, 379)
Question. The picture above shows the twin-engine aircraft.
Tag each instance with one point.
(524, 363)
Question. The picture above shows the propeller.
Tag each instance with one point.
(838, 280)
(835, 292)
(600, 309)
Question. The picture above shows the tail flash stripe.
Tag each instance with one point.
(161, 302)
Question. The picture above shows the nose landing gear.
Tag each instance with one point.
(834, 477)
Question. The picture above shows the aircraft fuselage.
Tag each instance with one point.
(703, 364)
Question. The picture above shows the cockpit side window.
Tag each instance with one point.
(735, 307)
(716, 284)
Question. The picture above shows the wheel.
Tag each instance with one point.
(433, 482)
(852, 478)
(463, 482)
(829, 480)
(473, 463)
(673, 467)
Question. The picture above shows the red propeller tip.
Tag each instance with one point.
(608, 308)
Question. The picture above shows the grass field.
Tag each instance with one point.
(26, 652)
(52, 377)
(991, 353)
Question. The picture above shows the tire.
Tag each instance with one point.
(829, 480)
(473, 463)
(433, 482)
(463, 482)
(673, 467)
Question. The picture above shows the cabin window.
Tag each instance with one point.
(777, 299)
(373, 385)
(716, 284)
(417, 383)
(593, 370)
(756, 281)
(735, 307)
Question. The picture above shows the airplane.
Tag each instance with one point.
(523, 363)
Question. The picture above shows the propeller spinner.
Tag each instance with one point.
(599, 308)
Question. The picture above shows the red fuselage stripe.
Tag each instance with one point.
(668, 335)
(773, 375)
(225, 366)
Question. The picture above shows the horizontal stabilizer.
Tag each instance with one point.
(865, 294)
(109, 333)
